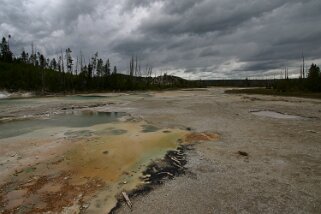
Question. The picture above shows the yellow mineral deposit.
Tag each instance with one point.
(63, 168)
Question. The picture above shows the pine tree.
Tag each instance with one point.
(69, 60)
(314, 78)
(90, 70)
(42, 61)
(115, 70)
(53, 64)
(107, 68)
(24, 57)
(94, 62)
(100, 67)
(5, 54)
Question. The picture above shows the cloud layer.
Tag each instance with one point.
(192, 38)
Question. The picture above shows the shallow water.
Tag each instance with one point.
(42, 100)
(71, 119)
(275, 115)
(73, 99)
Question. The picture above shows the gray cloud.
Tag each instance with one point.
(191, 38)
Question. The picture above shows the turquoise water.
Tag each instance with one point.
(85, 119)
(65, 99)
(150, 128)
(72, 99)
(70, 120)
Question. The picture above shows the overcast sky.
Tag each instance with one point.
(195, 39)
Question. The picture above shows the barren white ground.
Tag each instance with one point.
(282, 173)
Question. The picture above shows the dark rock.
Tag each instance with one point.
(243, 153)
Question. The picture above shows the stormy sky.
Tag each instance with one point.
(196, 39)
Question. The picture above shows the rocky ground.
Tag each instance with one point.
(259, 165)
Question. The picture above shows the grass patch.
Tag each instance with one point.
(264, 91)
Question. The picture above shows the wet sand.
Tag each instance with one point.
(280, 174)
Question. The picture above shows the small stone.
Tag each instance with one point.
(242, 153)
(18, 171)
(85, 206)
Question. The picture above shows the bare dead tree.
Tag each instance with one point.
(77, 66)
(81, 63)
(303, 72)
(62, 62)
(131, 67)
(136, 66)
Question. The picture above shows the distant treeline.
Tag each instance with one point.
(238, 83)
(34, 72)
(312, 83)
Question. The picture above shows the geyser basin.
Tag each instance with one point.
(78, 161)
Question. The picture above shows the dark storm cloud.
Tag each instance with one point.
(263, 65)
(207, 16)
(132, 46)
(132, 4)
(191, 38)
(208, 52)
